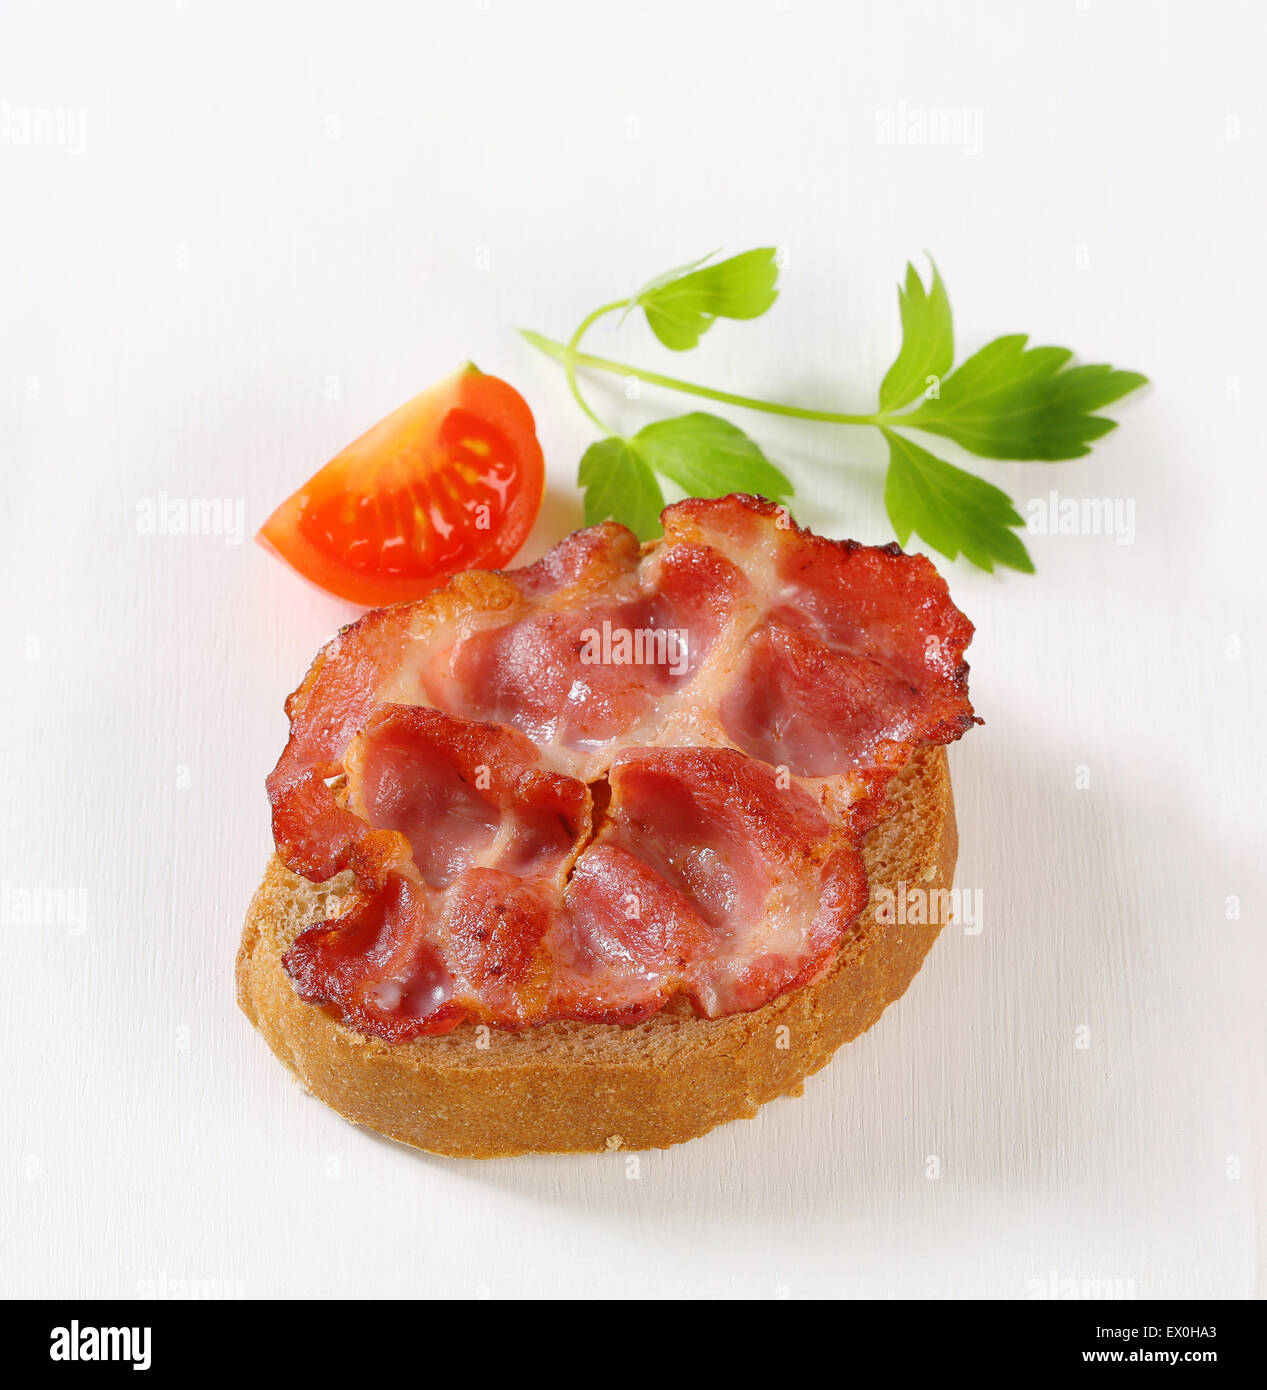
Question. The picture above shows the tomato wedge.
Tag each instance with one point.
(450, 481)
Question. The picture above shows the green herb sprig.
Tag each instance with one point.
(1007, 401)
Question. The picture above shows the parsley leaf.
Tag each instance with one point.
(703, 454)
(682, 305)
(951, 509)
(619, 485)
(928, 340)
(1010, 402)
(707, 456)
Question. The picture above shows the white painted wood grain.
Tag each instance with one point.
(271, 235)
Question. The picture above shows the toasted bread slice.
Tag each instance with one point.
(585, 1088)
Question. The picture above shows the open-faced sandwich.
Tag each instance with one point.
(583, 855)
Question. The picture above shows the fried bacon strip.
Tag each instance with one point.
(617, 776)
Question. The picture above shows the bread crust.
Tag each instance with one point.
(586, 1088)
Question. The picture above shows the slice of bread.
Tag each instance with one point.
(585, 1088)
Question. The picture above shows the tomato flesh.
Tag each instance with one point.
(450, 481)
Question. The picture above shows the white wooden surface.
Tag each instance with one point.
(259, 229)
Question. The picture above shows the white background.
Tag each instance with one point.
(277, 224)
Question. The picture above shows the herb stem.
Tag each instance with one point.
(571, 359)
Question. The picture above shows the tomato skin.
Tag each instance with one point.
(452, 480)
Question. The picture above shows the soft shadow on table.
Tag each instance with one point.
(561, 513)
(959, 1067)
